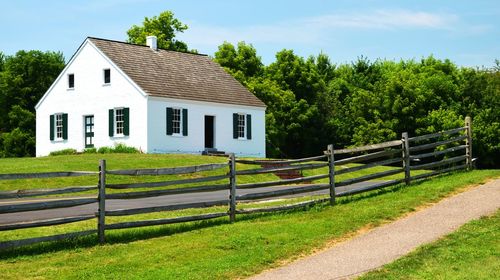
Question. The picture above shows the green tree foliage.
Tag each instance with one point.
(24, 78)
(311, 102)
(165, 27)
(2, 61)
(242, 62)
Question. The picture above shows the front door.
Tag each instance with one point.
(209, 132)
(89, 131)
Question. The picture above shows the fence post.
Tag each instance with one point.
(232, 184)
(331, 172)
(468, 142)
(102, 201)
(406, 156)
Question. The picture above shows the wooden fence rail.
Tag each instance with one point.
(430, 154)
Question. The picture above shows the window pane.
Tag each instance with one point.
(119, 121)
(241, 125)
(107, 76)
(176, 121)
(59, 126)
(71, 81)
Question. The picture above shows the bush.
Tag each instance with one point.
(90, 151)
(105, 150)
(122, 148)
(17, 143)
(119, 148)
(63, 152)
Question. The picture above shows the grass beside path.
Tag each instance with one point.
(472, 252)
(217, 249)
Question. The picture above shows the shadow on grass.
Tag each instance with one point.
(112, 237)
(143, 233)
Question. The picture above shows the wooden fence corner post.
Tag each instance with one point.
(102, 201)
(468, 142)
(232, 185)
(331, 173)
(406, 156)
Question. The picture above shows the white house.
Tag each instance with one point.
(156, 100)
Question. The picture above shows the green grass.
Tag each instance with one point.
(216, 249)
(359, 173)
(90, 162)
(472, 252)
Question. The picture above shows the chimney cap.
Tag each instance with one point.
(151, 41)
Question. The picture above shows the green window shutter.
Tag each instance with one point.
(170, 128)
(249, 126)
(65, 126)
(126, 119)
(51, 127)
(111, 122)
(185, 122)
(235, 126)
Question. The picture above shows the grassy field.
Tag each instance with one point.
(216, 249)
(472, 252)
(90, 162)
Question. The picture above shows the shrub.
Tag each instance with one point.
(122, 148)
(63, 152)
(105, 150)
(90, 151)
(119, 148)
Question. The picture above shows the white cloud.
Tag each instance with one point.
(385, 19)
(312, 30)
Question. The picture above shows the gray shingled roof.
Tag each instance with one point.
(178, 75)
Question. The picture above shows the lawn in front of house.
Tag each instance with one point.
(90, 162)
(216, 249)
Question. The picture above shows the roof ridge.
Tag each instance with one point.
(132, 44)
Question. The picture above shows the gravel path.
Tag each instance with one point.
(389, 242)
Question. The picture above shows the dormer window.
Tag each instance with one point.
(107, 76)
(71, 81)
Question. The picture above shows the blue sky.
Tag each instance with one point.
(467, 32)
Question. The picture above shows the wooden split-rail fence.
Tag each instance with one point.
(434, 154)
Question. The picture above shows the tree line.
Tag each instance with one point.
(311, 102)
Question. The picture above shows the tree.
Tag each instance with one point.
(294, 73)
(164, 27)
(242, 63)
(2, 61)
(26, 76)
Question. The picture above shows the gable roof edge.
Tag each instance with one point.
(73, 57)
(130, 80)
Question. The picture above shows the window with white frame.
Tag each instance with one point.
(119, 121)
(59, 126)
(241, 125)
(176, 121)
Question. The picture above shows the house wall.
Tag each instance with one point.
(90, 97)
(194, 142)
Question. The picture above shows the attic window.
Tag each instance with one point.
(107, 76)
(71, 81)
